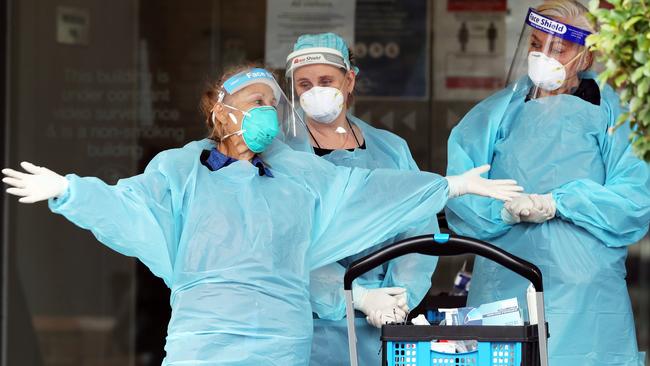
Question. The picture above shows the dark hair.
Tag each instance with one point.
(211, 96)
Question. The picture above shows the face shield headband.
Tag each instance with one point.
(555, 28)
(243, 79)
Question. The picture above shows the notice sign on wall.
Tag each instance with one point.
(469, 48)
(72, 25)
(286, 20)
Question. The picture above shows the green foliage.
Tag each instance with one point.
(623, 45)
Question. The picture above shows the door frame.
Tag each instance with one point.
(5, 10)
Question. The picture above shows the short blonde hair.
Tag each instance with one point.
(572, 11)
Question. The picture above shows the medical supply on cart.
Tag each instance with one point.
(420, 320)
(531, 303)
(462, 282)
(503, 312)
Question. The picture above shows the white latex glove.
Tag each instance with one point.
(533, 208)
(37, 184)
(471, 182)
(379, 318)
(381, 305)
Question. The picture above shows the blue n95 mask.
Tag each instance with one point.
(258, 127)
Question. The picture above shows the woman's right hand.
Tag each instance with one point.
(37, 184)
(381, 305)
(471, 182)
(532, 208)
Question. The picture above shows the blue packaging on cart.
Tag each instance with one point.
(503, 312)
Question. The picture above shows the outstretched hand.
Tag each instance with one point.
(35, 184)
(471, 182)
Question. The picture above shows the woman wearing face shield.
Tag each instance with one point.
(587, 195)
(322, 76)
(235, 222)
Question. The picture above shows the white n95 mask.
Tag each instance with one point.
(322, 104)
(545, 72)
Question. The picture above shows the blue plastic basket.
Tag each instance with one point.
(410, 345)
(420, 354)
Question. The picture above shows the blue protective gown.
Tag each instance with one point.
(236, 248)
(559, 145)
(413, 272)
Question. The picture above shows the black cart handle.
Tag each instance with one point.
(443, 245)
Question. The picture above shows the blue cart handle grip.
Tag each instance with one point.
(443, 245)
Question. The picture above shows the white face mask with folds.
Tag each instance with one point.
(546, 72)
(322, 104)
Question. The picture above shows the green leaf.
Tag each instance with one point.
(625, 95)
(600, 14)
(643, 44)
(592, 39)
(640, 56)
(611, 63)
(644, 116)
(631, 22)
(641, 148)
(637, 74)
(635, 104)
(627, 4)
(603, 77)
(642, 87)
(620, 79)
(594, 5)
(606, 29)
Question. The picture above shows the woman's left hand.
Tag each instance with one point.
(471, 182)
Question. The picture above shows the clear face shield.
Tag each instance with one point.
(550, 57)
(322, 104)
(260, 109)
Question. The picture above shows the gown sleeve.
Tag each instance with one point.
(412, 272)
(134, 217)
(359, 208)
(618, 211)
